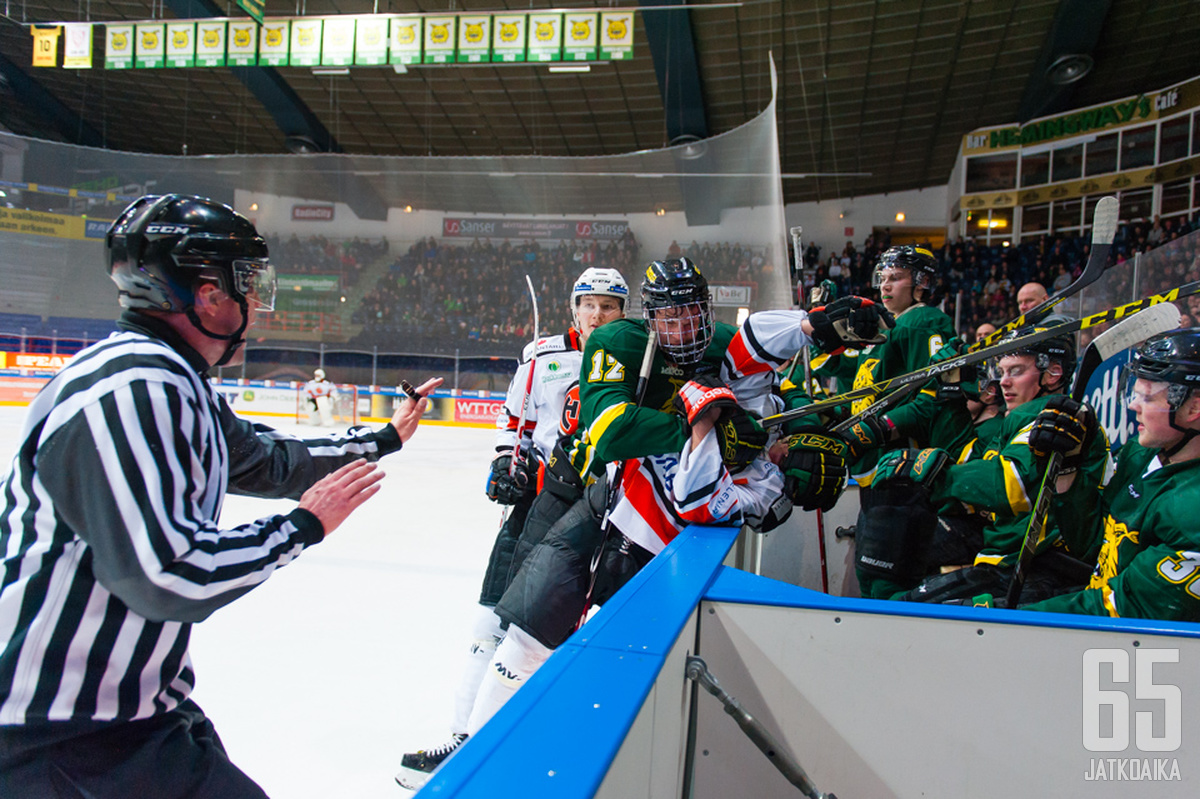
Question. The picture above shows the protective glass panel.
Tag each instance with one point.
(406, 264)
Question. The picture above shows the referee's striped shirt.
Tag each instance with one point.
(109, 546)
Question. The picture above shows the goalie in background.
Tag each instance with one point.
(321, 395)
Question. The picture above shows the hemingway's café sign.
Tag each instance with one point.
(487, 228)
(1125, 112)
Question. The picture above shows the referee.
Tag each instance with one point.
(109, 544)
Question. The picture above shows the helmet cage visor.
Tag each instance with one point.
(683, 332)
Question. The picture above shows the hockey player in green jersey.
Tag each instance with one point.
(905, 276)
(1149, 561)
(900, 541)
(702, 362)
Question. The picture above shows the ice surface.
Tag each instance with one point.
(319, 679)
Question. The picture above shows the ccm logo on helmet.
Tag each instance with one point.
(162, 228)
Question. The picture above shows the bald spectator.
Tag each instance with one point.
(984, 330)
(1030, 296)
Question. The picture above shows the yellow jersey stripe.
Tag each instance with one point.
(1018, 499)
(606, 418)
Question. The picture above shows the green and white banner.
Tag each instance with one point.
(150, 45)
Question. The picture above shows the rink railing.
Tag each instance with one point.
(872, 698)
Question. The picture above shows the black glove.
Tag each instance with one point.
(742, 439)
(814, 469)
(1065, 426)
(700, 394)
(868, 433)
(849, 322)
(919, 466)
(505, 488)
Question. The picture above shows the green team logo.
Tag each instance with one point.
(554, 366)
(248, 396)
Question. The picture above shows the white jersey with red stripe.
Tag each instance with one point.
(764, 342)
(552, 407)
(662, 494)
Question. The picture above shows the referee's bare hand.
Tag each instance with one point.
(335, 496)
(408, 412)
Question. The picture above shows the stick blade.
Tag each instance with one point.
(1137, 328)
(1104, 221)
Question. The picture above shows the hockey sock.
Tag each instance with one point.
(485, 636)
(517, 658)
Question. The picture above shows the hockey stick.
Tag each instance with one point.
(1129, 333)
(806, 357)
(1104, 229)
(697, 671)
(966, 359)
(605, 525)
(517, 457)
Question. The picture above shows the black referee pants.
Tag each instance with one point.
(175, 754)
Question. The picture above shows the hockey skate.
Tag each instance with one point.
(417, 767)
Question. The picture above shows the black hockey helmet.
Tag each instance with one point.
(917, 260)
(1172, 358)
(677, 283)
(1059, 349)
(160, 248)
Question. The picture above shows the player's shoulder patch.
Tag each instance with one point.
(544, 346)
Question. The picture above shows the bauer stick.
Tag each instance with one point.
(966, 359)
(1129, 333)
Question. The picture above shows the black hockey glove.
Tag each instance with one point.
(505, 488)
(742, 439)
(1065, 426)
(849, 322)
(814, 469)
(700, 394)
(919, 466)
(867, 434)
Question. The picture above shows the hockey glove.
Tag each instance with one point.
(742, 439)
(867, 434)
(919, 466)
(701, 394)
(505, 488)
(814, 469)
(1065, 426)
(849, 322)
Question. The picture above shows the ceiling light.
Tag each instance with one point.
(253, 206)
(899, 216)
(408, 209)
(1068, 69)
(661, 212)
(331, 70)
(300, 144)
(570, 68)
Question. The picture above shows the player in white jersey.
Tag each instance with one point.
(546, 389)
(320, 393)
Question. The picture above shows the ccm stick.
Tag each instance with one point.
(966, 359)
(1129, 333)
(1104, 229)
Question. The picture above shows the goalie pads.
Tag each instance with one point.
(894, 532)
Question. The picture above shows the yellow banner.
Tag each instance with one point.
(45, 46)
(39, 223)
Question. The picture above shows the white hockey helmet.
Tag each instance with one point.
(319, 374)
(599, 280)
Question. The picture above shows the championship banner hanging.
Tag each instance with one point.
(77, 45)
(337, 42)
(181, 44)
(45, 46)
(210, 44)
(545, 37)
(371, 41)
(508, 38)
(579, 37)
(149, 45)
